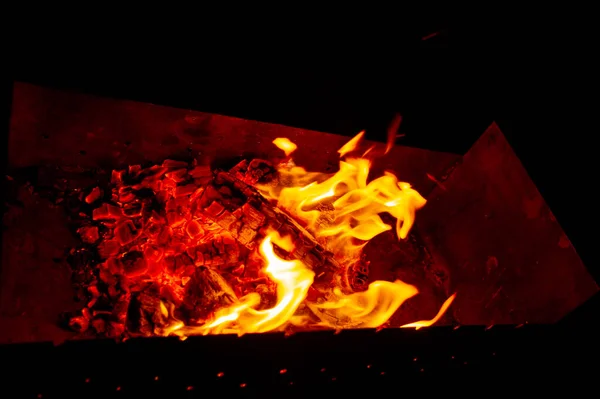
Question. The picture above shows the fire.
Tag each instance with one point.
(350, 145)
(293, 280)
(210, 263)
(285, 144)
(344, 210)
(352, 207)
(369, 309)
(428, 323)
(344, 207)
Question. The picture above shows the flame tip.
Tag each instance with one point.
(352, 144)
(285, 144)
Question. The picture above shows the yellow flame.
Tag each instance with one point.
(293, 280)
(368, 309)
(343, 211)
(344, 207)
(285, 144)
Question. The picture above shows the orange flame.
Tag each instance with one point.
(342, 210)
(368, 309)
(427, 323)
(392, 132)
(351, 145)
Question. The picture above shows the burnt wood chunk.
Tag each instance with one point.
(255, 171)
(248, 216)
(207, 292)
(143, 314)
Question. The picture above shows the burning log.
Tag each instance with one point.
(205, 293)
(241, 210)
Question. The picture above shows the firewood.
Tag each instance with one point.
(206, 292)
(243, 212)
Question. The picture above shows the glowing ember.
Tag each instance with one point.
(258, 248)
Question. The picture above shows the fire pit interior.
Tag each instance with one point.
(140, 220)
(262, 247)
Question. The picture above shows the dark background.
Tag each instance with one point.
(534, 82)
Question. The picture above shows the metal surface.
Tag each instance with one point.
(52, 127)
(503, 250)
